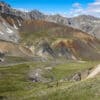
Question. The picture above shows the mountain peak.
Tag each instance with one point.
(88, 16)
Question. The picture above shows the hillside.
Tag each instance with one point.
(58, 40)
(86, 23)
(49, 40)
(12, 49)
(8, 32)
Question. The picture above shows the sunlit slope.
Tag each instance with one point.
(63, 40)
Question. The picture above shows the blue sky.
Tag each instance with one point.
(64, 7)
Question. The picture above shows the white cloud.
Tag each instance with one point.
(91, 9)
(76, 5)
(76, 10)
(95, 4)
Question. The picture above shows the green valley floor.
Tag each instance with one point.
(16, 85)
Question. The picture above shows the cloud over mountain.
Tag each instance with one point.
(91, 9)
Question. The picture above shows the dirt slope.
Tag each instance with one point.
(13, 49)
(62, 40)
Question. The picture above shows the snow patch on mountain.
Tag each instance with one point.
(1, 33)
(19, 23)
(9, 30)
(15, 27)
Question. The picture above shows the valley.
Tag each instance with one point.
(21, 86)
(48, 57)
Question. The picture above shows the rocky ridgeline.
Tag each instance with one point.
(85, 23)
(8, 10)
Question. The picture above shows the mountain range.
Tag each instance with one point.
(48, 36)
(85, 23)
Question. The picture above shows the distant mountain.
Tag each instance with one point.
(57, 19)
(85, 23)
(35, 14)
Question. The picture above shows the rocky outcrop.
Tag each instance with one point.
(2, 56)
(78, 76)
(85, 74)
(94, 72)
(40, 75)
(8, 32)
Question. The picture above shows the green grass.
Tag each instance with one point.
(12, 77)
(14, 82)
(15, 85)
(84, 90)
(69, 68)
(29, 38)
(13, 59)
